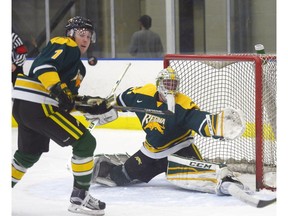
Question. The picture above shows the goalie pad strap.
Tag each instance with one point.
(215, 125)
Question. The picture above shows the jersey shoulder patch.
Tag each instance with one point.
(64, 40)
(148, 90)
(185, 101)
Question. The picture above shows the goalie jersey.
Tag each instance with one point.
(165, 134)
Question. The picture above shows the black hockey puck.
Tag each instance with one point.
(92, 61)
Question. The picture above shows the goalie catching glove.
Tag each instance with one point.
(92, 105)
(229, 124)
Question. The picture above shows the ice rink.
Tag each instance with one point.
(46, 187)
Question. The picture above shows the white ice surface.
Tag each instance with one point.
(45, 189)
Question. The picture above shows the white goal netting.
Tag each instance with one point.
(245, 82)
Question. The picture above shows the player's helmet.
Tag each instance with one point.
(81, 23)
(167, 82)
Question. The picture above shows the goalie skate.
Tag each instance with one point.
(83, 203)
(224, 184)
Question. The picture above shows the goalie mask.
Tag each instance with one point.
(167, 83)
(80, 24)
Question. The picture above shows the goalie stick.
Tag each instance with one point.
(143, 110)
(136, 109)
(236, 192)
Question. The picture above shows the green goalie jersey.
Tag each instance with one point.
(165, 134)
(58, 61)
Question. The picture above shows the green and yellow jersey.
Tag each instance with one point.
(165, 134)
(58, 61)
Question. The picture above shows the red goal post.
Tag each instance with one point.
(243, 81)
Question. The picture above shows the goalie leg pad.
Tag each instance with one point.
(192, 174)
(224, 184)
(102, 118)
(120, 176)
(103, 165)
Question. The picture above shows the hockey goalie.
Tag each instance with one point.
(169, 145)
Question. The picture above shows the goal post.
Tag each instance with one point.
(243, 81)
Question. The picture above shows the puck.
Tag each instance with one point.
(92, 61)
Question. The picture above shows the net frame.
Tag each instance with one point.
(263, 71)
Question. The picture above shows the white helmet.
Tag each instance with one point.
(167, 83)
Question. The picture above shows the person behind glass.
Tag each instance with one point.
(19, 52)
(43, 102)
(145, 43)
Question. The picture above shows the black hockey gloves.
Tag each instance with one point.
(63, 95)
(92, 105)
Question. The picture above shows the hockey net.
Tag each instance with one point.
(243, 81)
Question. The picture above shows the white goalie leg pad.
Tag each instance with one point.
(103, 163)
(194, 174)
(103, 118)
(229, 123)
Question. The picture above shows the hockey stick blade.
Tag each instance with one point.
(264, 203)
(238, 193)
(143, 110)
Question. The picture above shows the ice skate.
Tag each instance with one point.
(83, 203)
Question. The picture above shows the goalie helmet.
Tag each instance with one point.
(167, 83)
(80, 23)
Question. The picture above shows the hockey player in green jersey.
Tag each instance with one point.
(43, 101)
(170, 138)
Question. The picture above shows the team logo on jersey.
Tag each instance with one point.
(153, 123)
(138, 159)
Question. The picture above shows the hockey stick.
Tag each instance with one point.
(236, 192)
(118, 81)
(111, 95)
(93, 124)
(143, 110)
(137, 109)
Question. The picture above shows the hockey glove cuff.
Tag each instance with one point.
(229, 124)
(63, 95)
